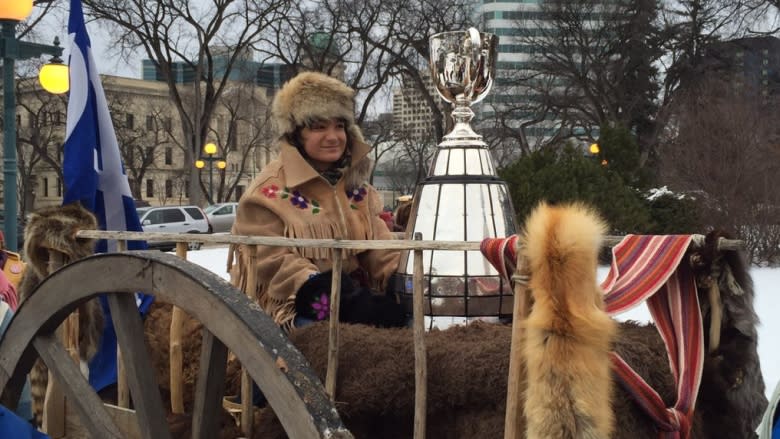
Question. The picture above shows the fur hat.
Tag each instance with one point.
(312, 95)
(54, 228)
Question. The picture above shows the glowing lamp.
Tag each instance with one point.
(54, 77)
(15, 9)
(210, 148)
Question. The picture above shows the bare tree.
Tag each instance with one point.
(211, 38)
(243, 128)
(596, 63)
(39, 141)
(723, 148)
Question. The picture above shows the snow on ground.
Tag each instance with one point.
(767, 304)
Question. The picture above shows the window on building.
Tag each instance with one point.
(149, 188)
(168, 188)
(59, 187)
(239, 192)
(45, 185)
(167, 124)
(150, 122)
(168, 156)
(233, 138)
(129, 121)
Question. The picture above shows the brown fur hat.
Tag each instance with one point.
(312, 95)
(55, 228)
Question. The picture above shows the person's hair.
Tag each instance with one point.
(296, 138)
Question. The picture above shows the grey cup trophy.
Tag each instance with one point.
(463, 66)
(462, 198)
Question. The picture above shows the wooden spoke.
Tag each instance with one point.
(77, 390)
(210, 387)
(138, 366)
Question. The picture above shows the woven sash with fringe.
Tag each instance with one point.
(648, 268)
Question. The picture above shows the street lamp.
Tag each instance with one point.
(595, 150)
(210, 149)
(11, 49)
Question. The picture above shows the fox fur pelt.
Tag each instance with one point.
(53, 229)
(567, 334)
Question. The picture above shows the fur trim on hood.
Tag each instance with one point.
(312, 95)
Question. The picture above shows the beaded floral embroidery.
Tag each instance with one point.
(295, 197)
(321, 307)
(356, 195)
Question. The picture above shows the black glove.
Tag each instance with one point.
(312, 300)
(370, 308)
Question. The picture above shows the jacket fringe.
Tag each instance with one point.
(282, 311)
(320, 231)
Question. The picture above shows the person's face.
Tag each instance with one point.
(324, 142)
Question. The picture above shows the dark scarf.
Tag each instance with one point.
(337, 169)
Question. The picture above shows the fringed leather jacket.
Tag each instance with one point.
(291, 199)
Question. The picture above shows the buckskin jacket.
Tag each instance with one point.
(291, 199)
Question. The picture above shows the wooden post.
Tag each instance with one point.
(512, 421)
(420, 357)
(333, 326)
(122, 391)
(53, 422)
(247, 408)
(176, 355)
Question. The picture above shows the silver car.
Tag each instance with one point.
(173, 219)
(221, 216)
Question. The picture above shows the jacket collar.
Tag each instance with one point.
(298, 171)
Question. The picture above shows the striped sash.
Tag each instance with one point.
(647, 268)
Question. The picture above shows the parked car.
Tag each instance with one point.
(221, 216)
(173, 219)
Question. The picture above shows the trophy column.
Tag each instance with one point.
(462, 198)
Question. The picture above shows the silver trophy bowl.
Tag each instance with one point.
(463, 64)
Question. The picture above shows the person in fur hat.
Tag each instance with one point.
(316, 188)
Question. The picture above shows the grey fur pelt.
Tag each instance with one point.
(53, 229)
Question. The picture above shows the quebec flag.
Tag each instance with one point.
(94, 174)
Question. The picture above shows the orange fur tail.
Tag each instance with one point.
(568, 333)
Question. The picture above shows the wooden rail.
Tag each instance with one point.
(393, 244)
(416, 246)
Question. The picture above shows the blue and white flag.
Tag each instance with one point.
(94, 174)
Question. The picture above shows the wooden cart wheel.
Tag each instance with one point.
(230, 320)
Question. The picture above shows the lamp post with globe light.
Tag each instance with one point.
(54, 79)
(210, 149)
